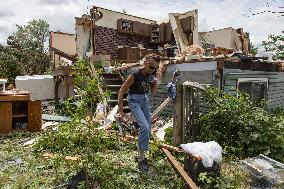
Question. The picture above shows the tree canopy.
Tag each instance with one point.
(25, 52)
(275, 43)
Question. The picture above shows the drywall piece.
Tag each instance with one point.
(41, 87)
(185, 29)
(48, 117)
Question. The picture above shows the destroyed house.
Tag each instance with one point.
(127, 37)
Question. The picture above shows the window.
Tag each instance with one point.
(255, 87)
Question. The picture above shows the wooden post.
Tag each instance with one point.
(178, 117)
(195, 113)
(184, 112)
(66, 86)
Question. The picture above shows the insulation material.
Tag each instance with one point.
(209, 152)
(161, 131)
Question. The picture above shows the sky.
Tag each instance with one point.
(252, 15)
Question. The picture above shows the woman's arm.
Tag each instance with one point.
(124, 88)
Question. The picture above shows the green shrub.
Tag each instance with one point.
(241, 128)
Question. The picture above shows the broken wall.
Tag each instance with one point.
(64, 42)
(229, 38)
(106, 37)
(185, 28)
(109, 19)
(83, 34)
(221, 38)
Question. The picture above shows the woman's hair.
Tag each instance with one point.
(154, 57)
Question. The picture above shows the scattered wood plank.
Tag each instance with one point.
(160, 145)
(72, 158)
(160, 108)
(179, 169)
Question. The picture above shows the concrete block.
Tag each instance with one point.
(41, 87)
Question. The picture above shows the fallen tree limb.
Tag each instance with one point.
(166, 146)
(179, 169)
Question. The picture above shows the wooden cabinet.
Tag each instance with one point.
(134, 27)
(167, 32)
(146, 29)
(124, 53)
(128, 53)
(161, 33)
(137, 28)
(125, 25)
(17, 112)
(155, 34)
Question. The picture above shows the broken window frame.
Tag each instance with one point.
(251, 90)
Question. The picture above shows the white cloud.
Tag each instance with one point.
(212, 13)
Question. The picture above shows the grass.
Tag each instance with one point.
(110, 162)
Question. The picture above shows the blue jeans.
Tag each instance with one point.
(140, 109)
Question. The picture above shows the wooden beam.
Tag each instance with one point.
(178, 126)
(180, 170)
(160, 145)
(160, 108)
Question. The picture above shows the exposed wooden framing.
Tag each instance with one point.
(184, 112)
(180, 170)
(186, 107)
(178, 127)
(186, 37)
(63, 73)
(73, 58)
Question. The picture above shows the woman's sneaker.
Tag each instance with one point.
(143, 165)
(137, 159)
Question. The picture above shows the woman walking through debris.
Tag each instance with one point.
(138, 84)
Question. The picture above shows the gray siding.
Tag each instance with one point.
(275, 84)
(204, 77)
(159, 98)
